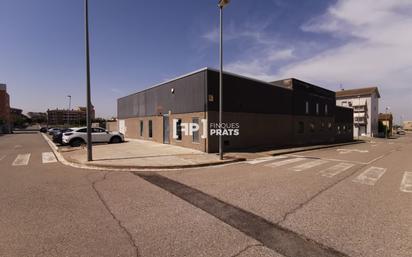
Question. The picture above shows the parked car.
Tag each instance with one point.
(78, 136)
(52, 130)
(43, 130)
(58, 135)
(400, 132)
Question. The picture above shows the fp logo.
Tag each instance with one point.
(188, 128)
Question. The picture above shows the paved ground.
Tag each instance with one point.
(347, 201)
(48, 209)
(140, 153)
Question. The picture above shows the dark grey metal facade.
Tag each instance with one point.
(183, 95)
(247, 95)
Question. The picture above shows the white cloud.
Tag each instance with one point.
(376, 50)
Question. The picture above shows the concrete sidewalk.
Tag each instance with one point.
(141, 154)
(146, 155)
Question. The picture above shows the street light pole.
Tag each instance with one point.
(221, 5)
(359, 116)
(68, 111)
(89, 105)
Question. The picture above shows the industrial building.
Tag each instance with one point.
(283, 113)
(365, 105)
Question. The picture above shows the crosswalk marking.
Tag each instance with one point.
(309, 165)
(370, 176)
(265, 159)
(48, 157)
(21, 159)
(336, 169)
(406, 185)
(284, 162)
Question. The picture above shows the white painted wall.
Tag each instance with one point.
(372, 103)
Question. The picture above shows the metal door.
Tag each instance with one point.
(166, 129)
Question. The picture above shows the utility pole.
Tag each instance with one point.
(89, 105)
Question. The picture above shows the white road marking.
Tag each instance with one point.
(370, 176)
(335, 170)
(374, 145)
(48, 157)
(17, 146)
(284, 162)
(309, 165)
(265, 159)
(346, 151)
(21, 160)
(2, 157)
(406, 185)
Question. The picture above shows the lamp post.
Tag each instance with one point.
(89, 105)
(68, 111)
(221, 5)
(358, 123)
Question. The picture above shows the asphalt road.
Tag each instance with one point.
(346, 201)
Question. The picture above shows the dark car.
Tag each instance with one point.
(58, 135)
(52, 130)
(43, 130)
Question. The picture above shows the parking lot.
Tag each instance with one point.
(353, 200)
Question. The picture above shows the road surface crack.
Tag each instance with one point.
(245, 249)
(101, 198)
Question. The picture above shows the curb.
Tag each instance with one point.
(316, 148)
(104, 167)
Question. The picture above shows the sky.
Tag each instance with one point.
(136, 44)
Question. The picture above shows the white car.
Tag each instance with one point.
(78, 136)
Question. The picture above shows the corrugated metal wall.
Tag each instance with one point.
(189, 96)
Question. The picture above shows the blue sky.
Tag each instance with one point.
(136, 44)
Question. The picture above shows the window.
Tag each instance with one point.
(326, 109)
(338, 130)
(322, 125)
(329, 125)
(350, 104)
(150, 128)
(312, 127)
(98, 130)
(307, 107)
(82, 130)
(179, 129)
(195, 136)
(141, 128)
(317, 109)
(301, 127)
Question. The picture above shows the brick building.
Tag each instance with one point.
(4, 110)
(75, 117)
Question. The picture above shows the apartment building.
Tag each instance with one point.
(281, 113)
(407, 125)
(4, 110)
(365, 105)
(64, 116)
